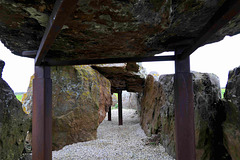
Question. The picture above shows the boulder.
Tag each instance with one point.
(231, 127)
(155, 74)
(157, 114)
(80, 97)
(114, 99)
(124, 76)
(14, 123)
(111, 28)
(130, 100)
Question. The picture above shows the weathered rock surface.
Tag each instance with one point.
(130, 100)
(157, 114)
(110, 28)
(81, 98)
(155, 74)
(124, 76)
(14, 123)
(114, 99)
(231, 126)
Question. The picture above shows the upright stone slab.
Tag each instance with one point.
(158, 119)
(231, 126)
(130, 100)
(81, 97)
(14, 123)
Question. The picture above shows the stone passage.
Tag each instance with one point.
(116, 142)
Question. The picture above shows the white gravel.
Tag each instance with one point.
(115, 142)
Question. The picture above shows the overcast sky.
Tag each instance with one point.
(216, 58)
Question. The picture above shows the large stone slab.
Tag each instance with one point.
(81, 97)
(158, 120)
(123, 76)
(110, 28)
(14, 123)
(130, 100)
(231, 126)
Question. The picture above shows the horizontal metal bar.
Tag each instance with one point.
(56, 62)
(225, 13)
(62, 10)
(29, 54)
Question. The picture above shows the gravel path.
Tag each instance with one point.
(115, 143)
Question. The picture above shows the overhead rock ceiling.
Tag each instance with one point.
(123, 76)
(110, 28)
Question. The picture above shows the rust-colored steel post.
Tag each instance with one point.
(120, 117)
(110, 114)
(184, 110)
(42, 114)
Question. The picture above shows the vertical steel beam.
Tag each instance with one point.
(110, 113)
(184, 110)
(120, 117)
(42, 114)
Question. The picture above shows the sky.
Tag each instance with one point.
(17, 70)
(217, 58)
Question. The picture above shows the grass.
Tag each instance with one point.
(116, 106)
(222, 91)
(116, 95)
(19, 97)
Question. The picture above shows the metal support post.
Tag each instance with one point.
(42, 114)
(120, 117)
(184, 110)
(110, 114)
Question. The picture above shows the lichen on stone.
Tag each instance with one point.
(42, 18)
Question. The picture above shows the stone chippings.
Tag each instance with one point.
(115, 142)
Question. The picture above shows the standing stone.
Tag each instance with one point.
(155, 74)
(14, 123)
(231, 126)
(129, 100)
(158, 120)
(114, 99)
(80, 99)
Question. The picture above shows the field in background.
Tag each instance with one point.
(19, 96)
(222, 91)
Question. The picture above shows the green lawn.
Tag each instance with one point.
(19, 97)
(223, 91)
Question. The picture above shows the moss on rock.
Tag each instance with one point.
(80, 98)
